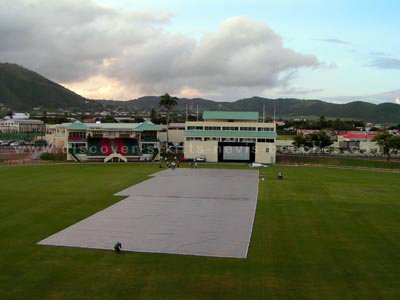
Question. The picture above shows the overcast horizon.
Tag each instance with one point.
(218, 50)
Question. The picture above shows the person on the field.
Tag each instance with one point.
(117, 247)
(280, 175)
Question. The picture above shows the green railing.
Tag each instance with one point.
(19, 136)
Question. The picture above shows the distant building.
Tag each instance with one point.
(89, 120)
(105, 114)
(307, 131)
(22, 125)
(280, 123)
(352, 136)
(20, 116)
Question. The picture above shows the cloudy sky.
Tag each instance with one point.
(222, 50)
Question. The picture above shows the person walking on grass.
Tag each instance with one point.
(117, 247)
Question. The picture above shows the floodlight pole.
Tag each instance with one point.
(263, 119)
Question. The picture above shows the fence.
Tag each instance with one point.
(19, 136)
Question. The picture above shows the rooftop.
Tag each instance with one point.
(358, 135)
(145, 126)
(176, 125)
(231, 115)
(33, 121)
(235, 134)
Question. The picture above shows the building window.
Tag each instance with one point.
(229, 140)
(78, 134)
(195, 128)
(215, 128)
(265, 140)
(247, 140)
(213, 139)
(190, 139)
(248, 128)
(265, 129)
(267, 150)
(229, 128)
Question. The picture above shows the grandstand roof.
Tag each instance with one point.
(242, 134)
(230, 115)
(77, 126)
(148, 125)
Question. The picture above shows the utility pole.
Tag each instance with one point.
(263, 119)
(197, 113)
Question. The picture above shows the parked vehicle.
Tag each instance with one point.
(6, 143)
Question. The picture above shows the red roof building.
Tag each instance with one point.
(357, 135)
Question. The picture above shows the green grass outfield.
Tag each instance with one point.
(340, 161)
(318, 234)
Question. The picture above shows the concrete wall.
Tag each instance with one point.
(264, 156)
(174, 136)
(368, 146)
(57, 137)
(208, 150)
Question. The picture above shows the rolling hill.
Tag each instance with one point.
(285, 108)
(22, 89)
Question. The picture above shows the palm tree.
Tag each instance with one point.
(168, 103)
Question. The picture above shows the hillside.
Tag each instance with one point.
(22, 89)
(285, 108)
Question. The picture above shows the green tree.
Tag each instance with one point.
(153, 115)
(389, 143)
(298, 141)
(321, 140)
(322, 122)
(44, 119)
(302, 141)
(168, 103)
(138, 119)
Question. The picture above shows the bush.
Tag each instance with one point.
(48, 156)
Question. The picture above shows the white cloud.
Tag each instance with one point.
(80, 43)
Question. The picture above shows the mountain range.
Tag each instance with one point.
(22, 89)
(390, 96)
